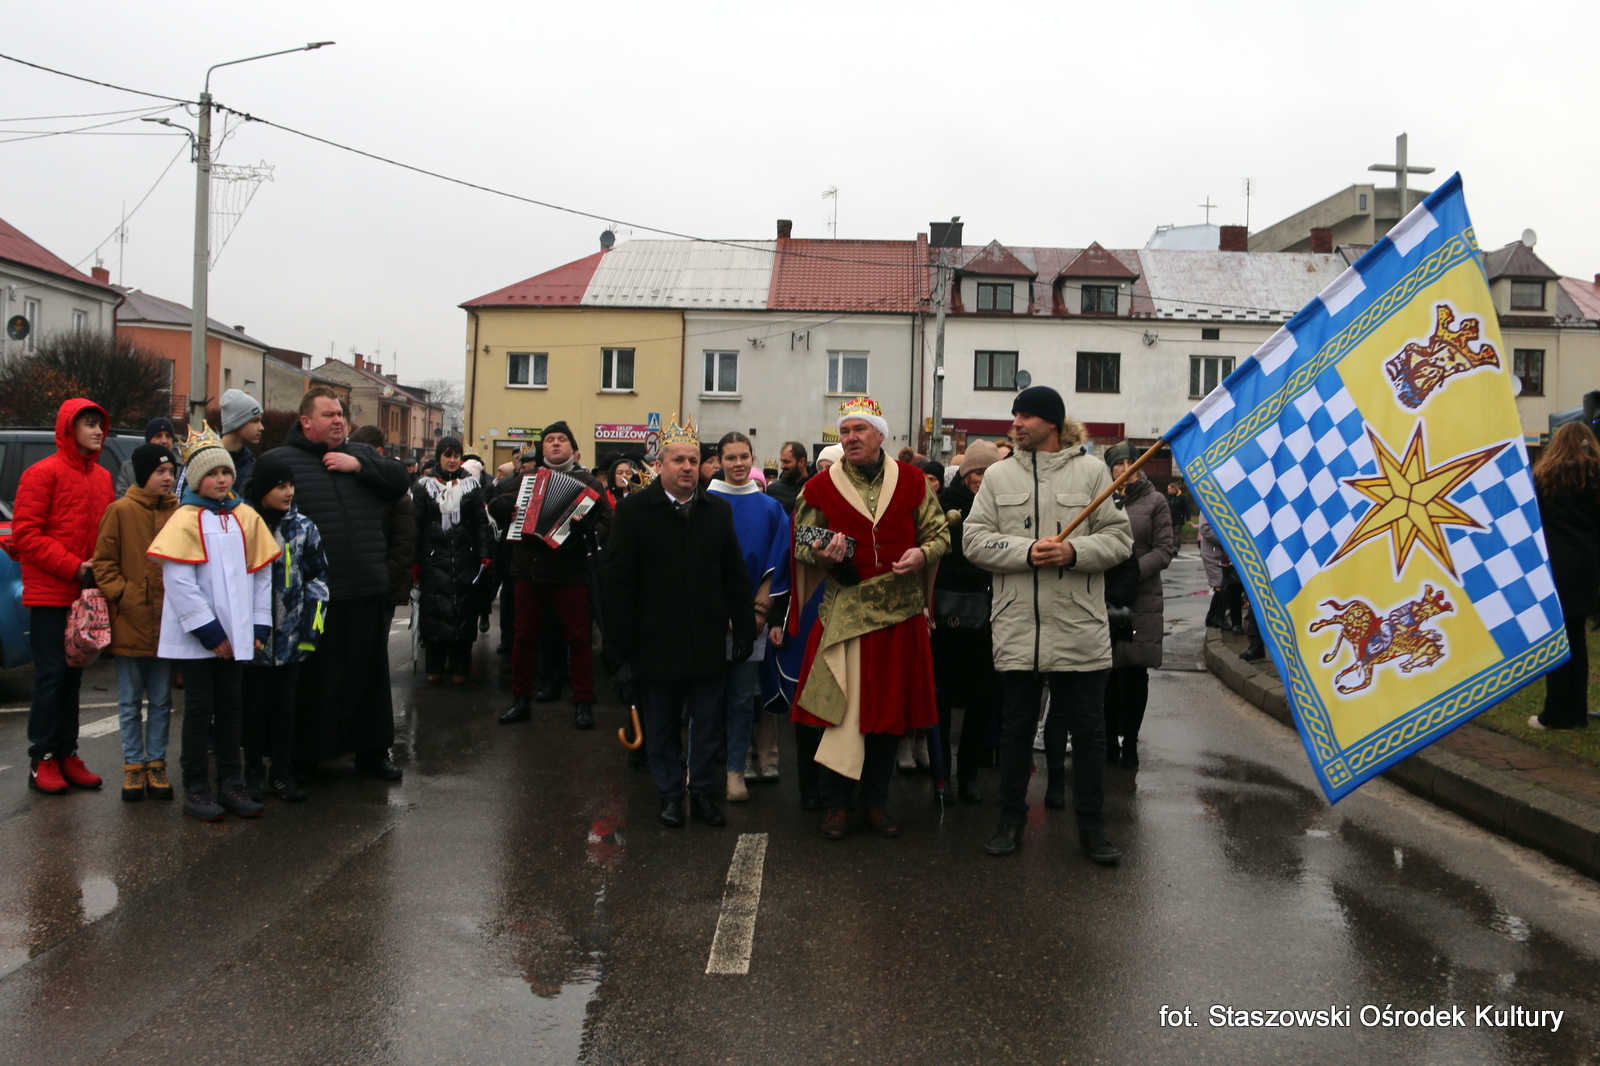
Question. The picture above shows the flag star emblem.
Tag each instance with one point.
(1412, 500)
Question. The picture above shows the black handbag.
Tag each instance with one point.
(965, 612)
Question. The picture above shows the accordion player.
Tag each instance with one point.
(549, 504)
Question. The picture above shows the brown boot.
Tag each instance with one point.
(156, 785)
(133, 781)
(737, 792)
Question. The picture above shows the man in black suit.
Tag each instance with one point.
(679, 608)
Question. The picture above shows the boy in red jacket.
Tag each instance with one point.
(56, 519)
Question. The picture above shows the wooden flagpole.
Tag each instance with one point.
(1105, 493)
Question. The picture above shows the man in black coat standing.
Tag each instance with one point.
(342, 698)
(677, 596)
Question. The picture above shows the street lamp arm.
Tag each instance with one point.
(265, 55)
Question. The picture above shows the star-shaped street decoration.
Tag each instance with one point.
(1412, 500)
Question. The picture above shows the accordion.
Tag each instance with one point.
(549, 503)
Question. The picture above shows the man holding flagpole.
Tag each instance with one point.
(872, 527)
(1048, 616)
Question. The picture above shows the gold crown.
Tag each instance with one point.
(676, 434)
(195, 443)
(860, 405)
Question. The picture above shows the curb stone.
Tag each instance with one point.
(1500, 800)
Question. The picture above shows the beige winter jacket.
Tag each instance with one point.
(1051, 620)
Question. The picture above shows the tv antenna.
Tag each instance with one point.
(1209, 206)
(832, 193)
(1248, 186)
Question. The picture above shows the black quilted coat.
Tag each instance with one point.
(450, 560)
(348, 511)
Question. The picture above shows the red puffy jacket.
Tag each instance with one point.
(56, 518)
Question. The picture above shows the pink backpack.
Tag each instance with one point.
(88, 628)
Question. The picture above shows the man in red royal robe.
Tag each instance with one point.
(868, 671)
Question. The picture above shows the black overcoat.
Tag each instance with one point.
(348, 510)
(1572, 533)
(450, 561)
(673, 583)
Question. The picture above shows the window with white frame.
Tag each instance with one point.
(1206, 373)
(80, 320)
(847, 372)
(529, 370)
(722, 372)
(616, 369)
(31, 309)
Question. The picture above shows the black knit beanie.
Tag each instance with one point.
(146, 457)
(268, 473)
(1041, 401)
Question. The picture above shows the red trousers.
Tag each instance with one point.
(572, 608)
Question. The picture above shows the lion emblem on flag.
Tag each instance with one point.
(1454, 348)
(1378, 639)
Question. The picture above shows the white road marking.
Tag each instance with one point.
(23, 708)
(736, 925)
(100, 728)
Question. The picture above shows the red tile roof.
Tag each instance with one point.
(996, 261)
(1095, 262)
(835, 275)
(562, 287)
(19, 248)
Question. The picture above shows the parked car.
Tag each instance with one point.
(20, 448)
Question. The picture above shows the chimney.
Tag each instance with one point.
(1321, 240)
(100, 274)
(1234, 239)
(360, 365)
(785, 228)
(238, 329)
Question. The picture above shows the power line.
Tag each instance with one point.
(86, 114)
(82, 129)
(92, 81)
(136, 206)
(607, 219)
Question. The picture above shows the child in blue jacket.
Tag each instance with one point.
(299, 604)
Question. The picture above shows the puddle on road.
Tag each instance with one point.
(1410, 927)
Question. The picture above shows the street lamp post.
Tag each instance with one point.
(202, 237)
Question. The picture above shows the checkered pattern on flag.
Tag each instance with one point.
(1365, 471)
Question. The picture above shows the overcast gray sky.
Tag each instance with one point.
(1038, 123)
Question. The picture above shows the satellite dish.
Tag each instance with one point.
(1024, 379)
(1516, 382)
(1530, 238)
(607, 239)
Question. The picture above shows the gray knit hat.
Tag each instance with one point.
(238, 408)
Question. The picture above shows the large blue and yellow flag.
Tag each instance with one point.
(1365, 470)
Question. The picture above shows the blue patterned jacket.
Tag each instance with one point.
(299, 592)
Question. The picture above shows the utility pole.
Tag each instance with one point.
(202, 265)
(946, 235)
(202, 236)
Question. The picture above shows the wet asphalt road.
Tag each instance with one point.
(515, 901)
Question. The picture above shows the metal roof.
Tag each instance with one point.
(995, 260)
(138, 306)
(1516, 260)
(562, 287)
(691, 275)
(1584, 297)
(1236, 286)
(1201, 238)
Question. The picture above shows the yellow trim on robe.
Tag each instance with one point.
(180, 540)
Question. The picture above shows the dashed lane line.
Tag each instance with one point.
(736, 925)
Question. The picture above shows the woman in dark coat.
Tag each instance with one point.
(1566, 481)
(455, 548)
(1128, 684)
(963, 661)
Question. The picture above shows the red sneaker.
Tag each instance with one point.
(77, 774)
(44, 775)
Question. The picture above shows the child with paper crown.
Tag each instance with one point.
(216, 562)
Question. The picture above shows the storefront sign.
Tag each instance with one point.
(524, 432)
(620, 432)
